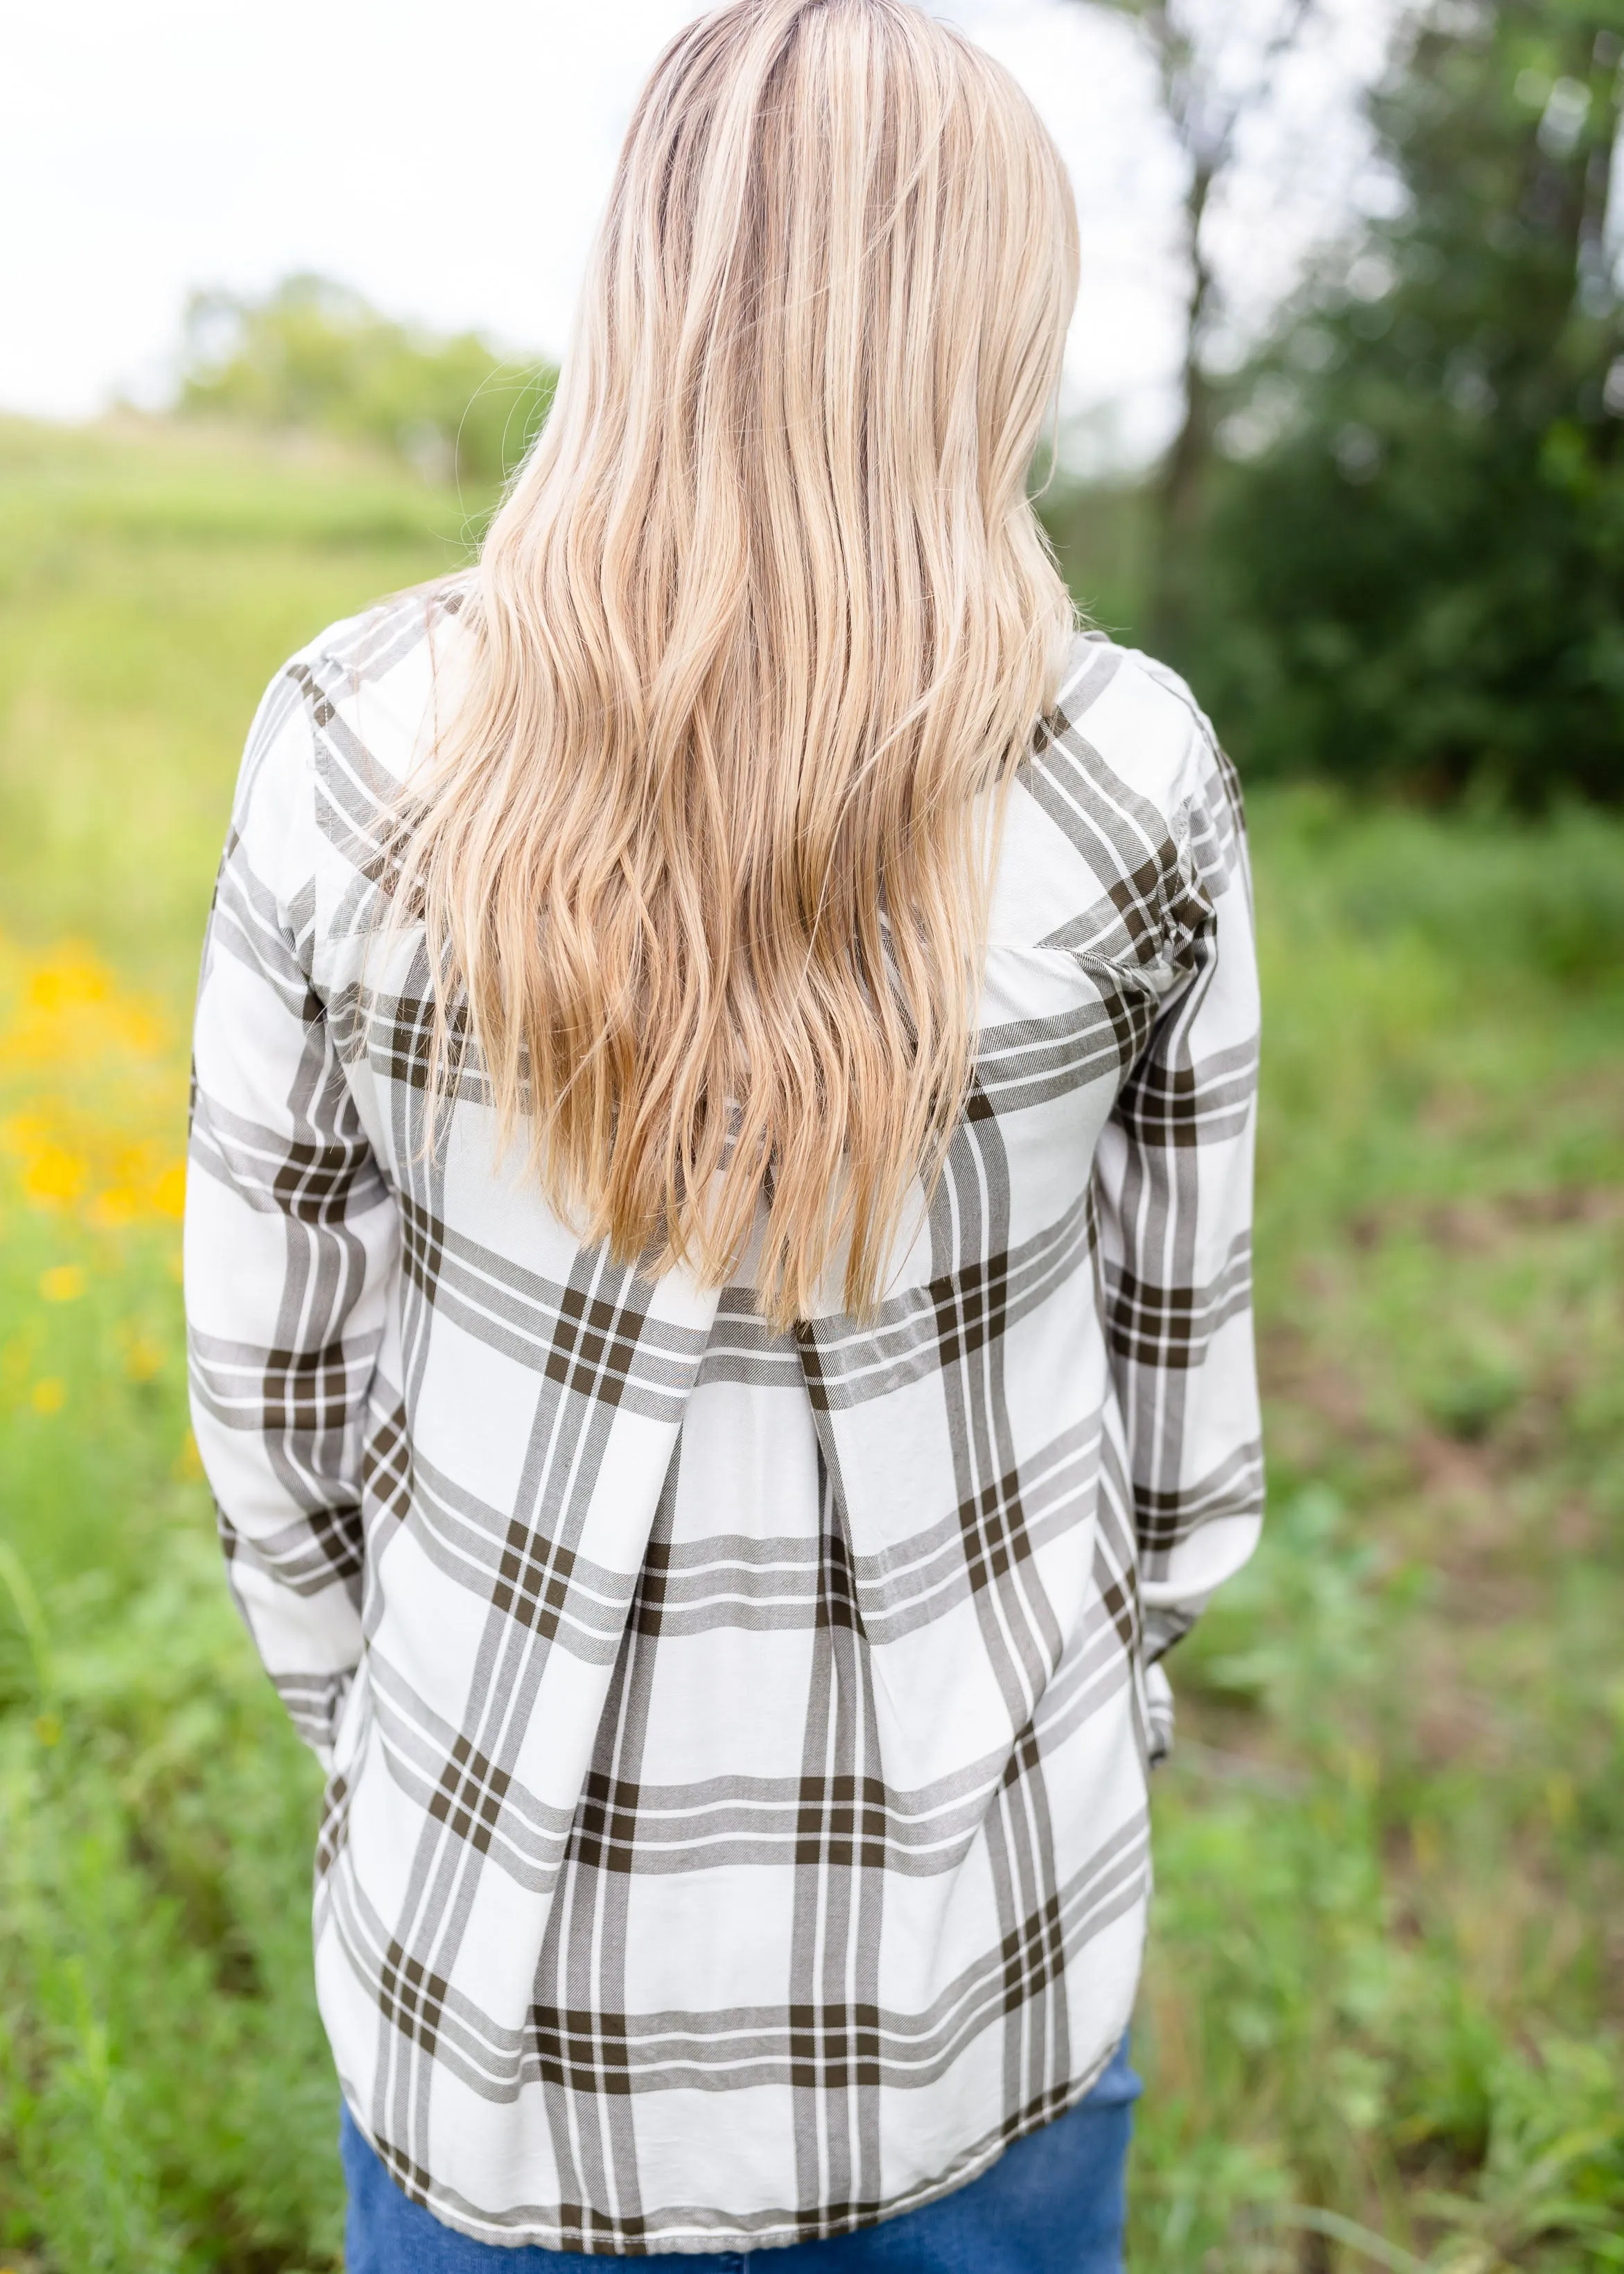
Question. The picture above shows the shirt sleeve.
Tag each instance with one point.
(1173, 1197)
(290, 1237)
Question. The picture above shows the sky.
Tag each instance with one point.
(451, 165)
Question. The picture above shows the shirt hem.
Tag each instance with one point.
(694, 2241)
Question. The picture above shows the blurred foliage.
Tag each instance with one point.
(1104, 535)
(149, 576)
(166, 2097)
(1381, 2020)
(314, 355)
(1408, 567)
(1414, 570)
(163, 2077)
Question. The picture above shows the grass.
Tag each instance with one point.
(149, 584)
(1383, 2018)
(1388, 1946)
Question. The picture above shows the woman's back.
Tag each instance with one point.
(736, 1829)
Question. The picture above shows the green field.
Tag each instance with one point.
(1383, 2023)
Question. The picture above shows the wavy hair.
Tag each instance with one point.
(760, 632)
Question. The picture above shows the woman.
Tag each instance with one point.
(717, 1248)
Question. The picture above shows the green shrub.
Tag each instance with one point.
(314, 355)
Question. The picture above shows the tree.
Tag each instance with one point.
(1415, 573)
(1214, 72)
(313, 354)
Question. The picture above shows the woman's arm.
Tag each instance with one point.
(290, 1242)
(1174, 1183)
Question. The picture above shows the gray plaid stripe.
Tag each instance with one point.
(597, 1342)
(1041, 1059)
(584, 1963)
(1166, 1519)
(739, 1348)
(1173, 1327)
(840, 1882)
(775, 1583)
(930, 1328)
(588, 2054)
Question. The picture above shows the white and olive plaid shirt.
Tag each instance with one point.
(736, 1822)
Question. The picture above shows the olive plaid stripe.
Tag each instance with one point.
(736, 1827)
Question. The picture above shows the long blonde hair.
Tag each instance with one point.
(702, 854)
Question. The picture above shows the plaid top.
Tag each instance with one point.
(735, 1830)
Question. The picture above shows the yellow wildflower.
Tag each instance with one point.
(53, 1176)
(169, 1194)
(101, 1142)
(48, 1395)
(113, 1209)
(63, 1283)
(69, 1010)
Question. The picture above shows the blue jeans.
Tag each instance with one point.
(1053, 2203)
